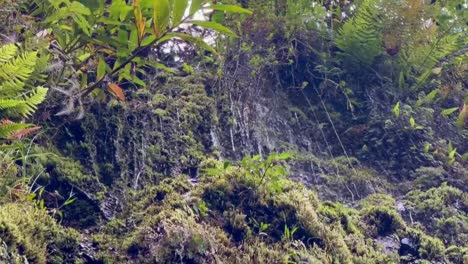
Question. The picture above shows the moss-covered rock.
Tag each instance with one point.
(30, 235)
(443, 211)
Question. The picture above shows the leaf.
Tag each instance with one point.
(133, 39)
(437, 70)
(139, 21)
(428, 98)
(84, 57)
(101, 69)
(148, 40)
(285, 156)
(117, 91)
(462, 116)
(69, 201)
(178, 11)
(195, 6)
(160, 16)
(231, 9)
(79, 8)
(82, 23)
(190, 39)
(214, 26)
(396, 110)
(24, 132)
(449, 111)
(412, 122)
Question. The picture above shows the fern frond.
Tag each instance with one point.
(9, 104)
(8, 52)
(360, 38)
(24, 132)
(37, 97)
(25, 107)
(435, 53)
(16, 74)
(7, 130)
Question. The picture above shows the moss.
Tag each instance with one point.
(379, 216)
(457, 254)
(431, 248)
(443, 210)
(337, 212)
(381, 221)
(180, 239)
(378, 199)
(237, 226)
(429, 177)
(8, 171)
(32, 233)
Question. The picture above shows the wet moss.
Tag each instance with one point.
(31, 235)
(443, 210)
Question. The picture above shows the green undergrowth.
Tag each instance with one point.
(30, 235)
(230, 215)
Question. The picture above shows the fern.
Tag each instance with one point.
(433, 54)
(18, 71)
(7, 130)
(360, 38)
(7, 53)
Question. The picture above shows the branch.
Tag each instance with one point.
(135, 54)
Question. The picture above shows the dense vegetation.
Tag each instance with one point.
(253, 131)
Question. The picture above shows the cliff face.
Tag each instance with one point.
(274, 153)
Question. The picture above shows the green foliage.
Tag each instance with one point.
(443, 209)
(359, 39)
(32, 236)
(107, 42)
(17, 98)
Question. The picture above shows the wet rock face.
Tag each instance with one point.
(407, 248)
(389, 244)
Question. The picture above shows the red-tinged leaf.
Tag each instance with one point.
(24, 132)
(5, 122)
(117, 91)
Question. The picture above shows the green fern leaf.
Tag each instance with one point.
(8, 52)
(7, 130)
(359, 39)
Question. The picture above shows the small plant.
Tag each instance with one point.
(200, 208)
(268, 171)
(451, 153)
(18, 71)
(261, 227)
(289, 233)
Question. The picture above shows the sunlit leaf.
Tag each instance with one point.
(178, 11)
(139, 21)
(79, 8)
(101, 69)
(449, 111)
(195, 6)
(412, 122)
(161, 16)
(190, 39)
(463, 116)
(396, 109)
(214, 26)
(231, 9)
